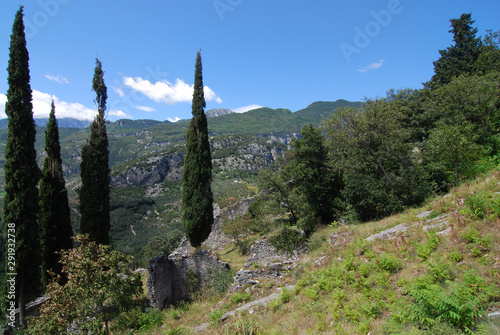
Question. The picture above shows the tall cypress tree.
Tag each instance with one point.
(55, 217)
(21, 172)
(94, 193)
(197, 197)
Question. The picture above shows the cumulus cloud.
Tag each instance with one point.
(42, 105)
(120, 114)
(372, 66)
(3, 100)
(119, 91)
(245, 109)
(174, 119)
(166, 92)
(145, 108)
(57, 79)
(42, 102)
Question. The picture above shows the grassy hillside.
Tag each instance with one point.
(440, 276)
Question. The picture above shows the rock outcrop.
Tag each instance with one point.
(154, 170)
(175, 278)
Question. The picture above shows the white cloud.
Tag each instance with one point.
(166, 92)
(120, 114)
(57, 79)
(372, 66)
(174, 119)
(145, 108)
(41, 108)
(75, 110)
(245, 109)
(3, 100)
(119, 91)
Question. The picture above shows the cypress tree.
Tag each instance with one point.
(55, 218)
(197, 198)
(21, 173)
(94, 193)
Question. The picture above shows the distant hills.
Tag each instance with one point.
(146, 159)
(63, 123)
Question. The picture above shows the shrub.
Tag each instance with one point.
(243, 327)
(424, 251)
(390, 263)
(459, 304)
(288, 239)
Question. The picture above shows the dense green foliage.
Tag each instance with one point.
(197, 197)
(97, 278)
(392, 153)
(20, 205)
(54, 218)
(459, 58)
(94, 192)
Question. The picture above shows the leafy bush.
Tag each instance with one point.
(288, 239)
(477, 205)
(97, 278)
(390, 263)
(424, 251)
(243, 327)
(137, 319)
(459, 304)
(238, 298)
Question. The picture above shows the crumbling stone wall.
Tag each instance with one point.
(175, 278)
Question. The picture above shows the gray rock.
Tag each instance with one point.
(175, 278)
(424, 214)
(388, 233)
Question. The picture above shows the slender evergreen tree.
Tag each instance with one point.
(21, 173)
(55, 218)
(197, 197)
(94, 193)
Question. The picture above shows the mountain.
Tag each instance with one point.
(218, 112)
(146, 159)
(63, 123)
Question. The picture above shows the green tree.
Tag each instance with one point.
(197, 197)
(55, 218)
(315, 188)
(451, 153)
(94, 192)
(382, 170)
(473, 99)
(97, 278)
(459, 58)
(21, 173)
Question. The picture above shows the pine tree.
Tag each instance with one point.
(55, 218)
(94, 193)
(21, 173)
(459, 58)
(197, 198)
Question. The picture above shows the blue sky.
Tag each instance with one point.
(278, 54)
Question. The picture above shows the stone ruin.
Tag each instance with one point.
(175, 278)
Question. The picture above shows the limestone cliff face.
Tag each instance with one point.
(153, 170)
(229, 152)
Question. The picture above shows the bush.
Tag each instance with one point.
(459, 304)
(288, 239)
(243, 327)
(137, 319)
